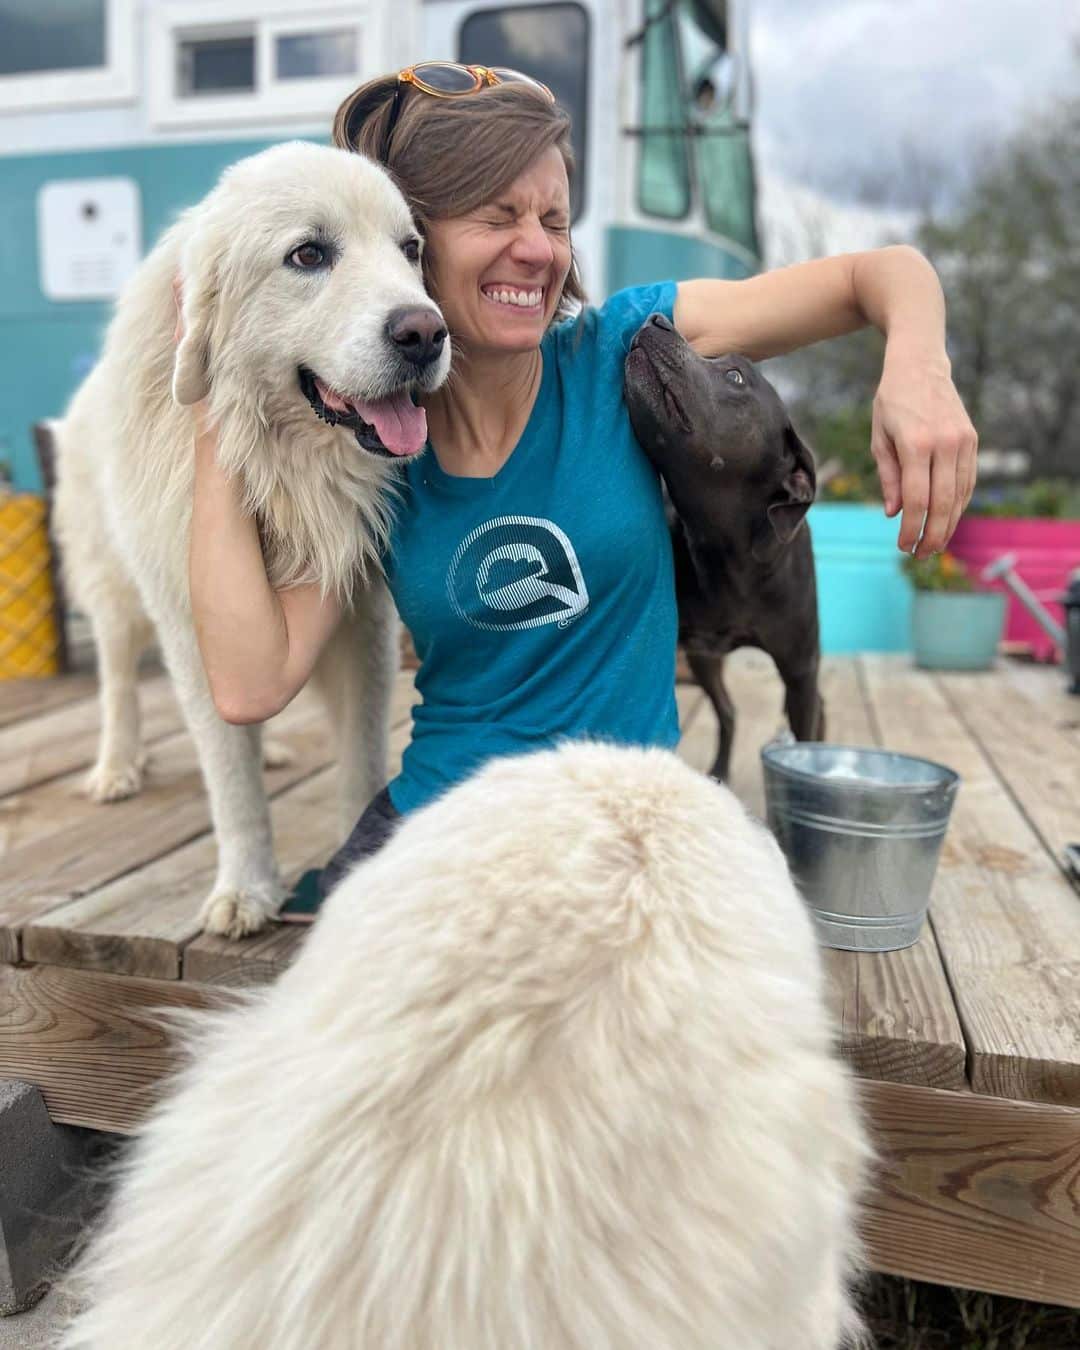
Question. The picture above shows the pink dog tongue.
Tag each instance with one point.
(401, 425)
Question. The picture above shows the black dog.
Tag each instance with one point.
(741, 483)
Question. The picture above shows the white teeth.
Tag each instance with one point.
(523, 299)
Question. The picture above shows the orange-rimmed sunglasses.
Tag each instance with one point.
(450, 79)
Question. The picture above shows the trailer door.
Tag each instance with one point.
(552, 41)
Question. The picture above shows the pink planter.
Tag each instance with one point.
(1046, 551)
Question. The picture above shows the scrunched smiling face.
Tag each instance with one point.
(498, 271)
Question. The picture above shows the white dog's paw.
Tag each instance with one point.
(276, 754)
(234, 913)
(114, 782)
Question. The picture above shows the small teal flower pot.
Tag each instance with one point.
(956, 630)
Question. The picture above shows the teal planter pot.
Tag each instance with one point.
(864, 599)
(956, 631)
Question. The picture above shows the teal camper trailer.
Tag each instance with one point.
(116, 114)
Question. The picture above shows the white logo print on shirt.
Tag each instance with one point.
(516, 572)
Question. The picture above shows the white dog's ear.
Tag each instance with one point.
(200, 278)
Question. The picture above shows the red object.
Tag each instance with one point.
(1046, 552)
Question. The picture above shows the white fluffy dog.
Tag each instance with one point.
(552, 1072)
(307, 326)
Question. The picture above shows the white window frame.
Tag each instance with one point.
(114, 82)
(272, 100)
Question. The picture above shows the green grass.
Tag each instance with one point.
(909, 1315)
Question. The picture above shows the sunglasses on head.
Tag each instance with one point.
(449, 79)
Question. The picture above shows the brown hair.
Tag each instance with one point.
(451, 155)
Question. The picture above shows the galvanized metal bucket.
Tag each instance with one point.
(862, 831)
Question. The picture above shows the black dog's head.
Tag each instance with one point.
(718, 432)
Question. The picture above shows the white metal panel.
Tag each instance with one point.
(89, 237)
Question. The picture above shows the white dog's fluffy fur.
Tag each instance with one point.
(552, 1072)
(126, 465)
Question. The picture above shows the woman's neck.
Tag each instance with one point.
(477, 417)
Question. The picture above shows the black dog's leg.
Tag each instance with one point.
(708, 670)
(804, 706)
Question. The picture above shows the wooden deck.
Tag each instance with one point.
(967, 1044)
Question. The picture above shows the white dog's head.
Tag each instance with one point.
(303, 297)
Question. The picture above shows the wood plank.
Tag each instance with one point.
(88, 1041)
(1007, 923)
(1030, 732)
(83, 846)
(28, 698)
(971, 1190)
(896, 1014)
(975, 1191)
(301, 844)
(894, 1010)
(141, 923)
(1046, 686)
(758, 695)
(695, 745)
(40, 748)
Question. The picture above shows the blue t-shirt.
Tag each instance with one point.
(541, 601)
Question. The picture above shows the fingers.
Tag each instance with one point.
(940, 513)
(969, 466)
(915, 489)
(888, 471)
(966, 469)
(937, 485)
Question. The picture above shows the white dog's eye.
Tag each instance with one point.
(308, 256)
(735, 376)
(411, 249)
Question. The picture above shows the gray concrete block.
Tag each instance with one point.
(47, 1192)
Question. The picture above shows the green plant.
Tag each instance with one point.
(842, 438)
(940, 572)
(1051, 498)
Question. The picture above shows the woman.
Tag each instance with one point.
(530, 558)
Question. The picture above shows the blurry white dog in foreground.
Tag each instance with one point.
(552, 1072)
(307, 328)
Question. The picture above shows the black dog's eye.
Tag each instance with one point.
(308, 256)
(734, 376)
(411, 249)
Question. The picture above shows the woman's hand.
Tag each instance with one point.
(925, 448)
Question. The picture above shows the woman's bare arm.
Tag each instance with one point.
(258, 645)
(922, 439)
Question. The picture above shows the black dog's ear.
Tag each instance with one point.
(792, 499)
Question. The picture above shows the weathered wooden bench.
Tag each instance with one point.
(967, 1044)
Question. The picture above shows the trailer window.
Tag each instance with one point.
(66, 53)
(37, 36)
(549, 42)
(663, 163)
(251, 61)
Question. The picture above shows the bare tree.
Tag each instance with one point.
(1004, 235)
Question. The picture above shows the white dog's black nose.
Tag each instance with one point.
(418, 334)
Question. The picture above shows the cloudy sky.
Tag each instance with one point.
(843, 86)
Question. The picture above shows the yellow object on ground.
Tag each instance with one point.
(29, 636)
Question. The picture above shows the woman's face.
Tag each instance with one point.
(498, 272)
